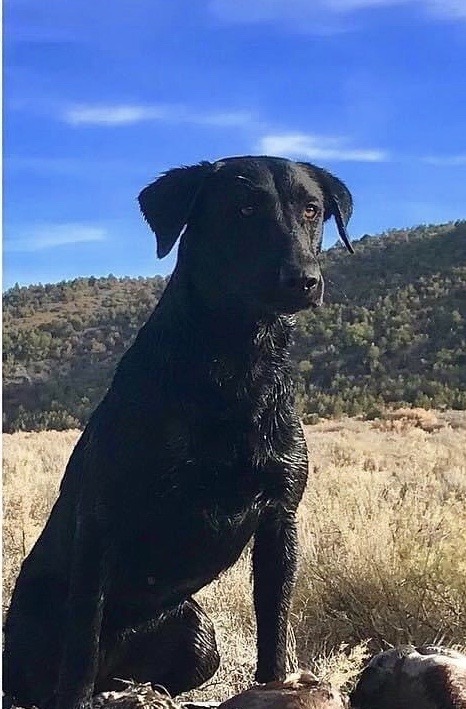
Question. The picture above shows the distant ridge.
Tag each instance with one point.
(392, 332)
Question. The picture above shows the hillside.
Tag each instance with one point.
(392, 331)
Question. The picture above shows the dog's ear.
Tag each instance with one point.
(167, 203)
(338, 201)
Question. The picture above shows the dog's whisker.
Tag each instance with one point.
(337, 288)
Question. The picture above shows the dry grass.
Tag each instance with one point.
(402, 419)
(383, 543)
(383, 537)
(33, 465)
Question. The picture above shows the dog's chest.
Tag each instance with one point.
(220, 459)
(186, 543)
(232, 420)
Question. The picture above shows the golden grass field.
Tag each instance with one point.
(382, 535)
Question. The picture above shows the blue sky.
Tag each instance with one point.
(100, 97)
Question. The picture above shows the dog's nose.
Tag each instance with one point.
(299, 281)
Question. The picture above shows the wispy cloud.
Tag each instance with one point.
(322, 15)
(128, 114)
(446, 160)
(38, 237)
(448, 8)
(316, 147)
(116, 115)
(455, 9)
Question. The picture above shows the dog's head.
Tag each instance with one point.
(251, 228)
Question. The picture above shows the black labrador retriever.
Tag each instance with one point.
(195, 448)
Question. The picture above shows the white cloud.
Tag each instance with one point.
(315, 147)
(321, 15)
(37, 237)
(115, 115)
(446, 160)
(127, 114)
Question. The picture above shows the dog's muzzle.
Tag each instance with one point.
(305, 287)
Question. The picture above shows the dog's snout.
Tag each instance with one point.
(299, 281)
(301, 287)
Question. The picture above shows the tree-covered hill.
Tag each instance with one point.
(392, 331)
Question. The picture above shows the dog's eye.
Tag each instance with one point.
(247, 210)
(311, 211)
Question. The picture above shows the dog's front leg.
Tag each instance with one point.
(274, 564)
(80, 654)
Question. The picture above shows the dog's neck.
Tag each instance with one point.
(228, 326)
(237, 357)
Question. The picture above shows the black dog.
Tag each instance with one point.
(195, 448)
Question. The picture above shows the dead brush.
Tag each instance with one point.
(403, 419)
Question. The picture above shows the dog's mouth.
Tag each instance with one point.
(294, 305)
(287, 303)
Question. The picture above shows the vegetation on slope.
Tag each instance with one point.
(392, 332)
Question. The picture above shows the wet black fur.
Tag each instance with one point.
(195, 448)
